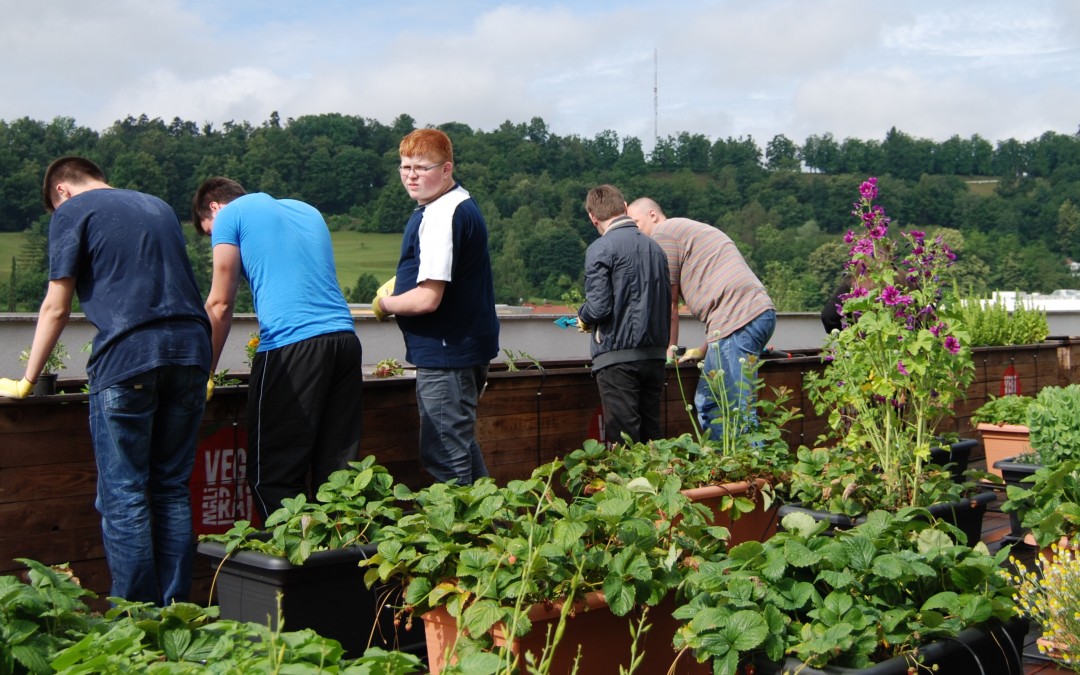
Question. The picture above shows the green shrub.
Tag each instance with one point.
(1053, 421)
(1004, 410)
(990, 324)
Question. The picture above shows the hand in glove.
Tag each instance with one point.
(210, 388)
(385, 291)
(692, 354)
(582, 327)
(13, 389)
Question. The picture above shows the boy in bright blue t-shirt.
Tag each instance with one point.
(304, 394)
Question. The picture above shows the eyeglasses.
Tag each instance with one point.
(405, 169)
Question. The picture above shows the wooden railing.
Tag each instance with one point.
(526, 418)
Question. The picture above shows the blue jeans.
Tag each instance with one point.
(145, 431)
(446, 399)
(723, 356)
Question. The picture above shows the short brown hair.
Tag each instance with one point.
(69, 169)
(430, 143)
(605, 202)
(217, 189)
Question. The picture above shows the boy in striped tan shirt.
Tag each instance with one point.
(719, 288)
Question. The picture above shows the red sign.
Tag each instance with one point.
(1010, 382)
(220, 493)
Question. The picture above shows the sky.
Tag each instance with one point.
(725, 69)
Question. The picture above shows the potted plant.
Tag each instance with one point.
(309, 552)
(804, 602)
(1047, 503)
(737, 476)
(46, 382)
(1054, 436)
(516, 575)
(1002, 423)
(890, 376)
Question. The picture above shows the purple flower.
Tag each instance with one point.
(900, 368)
(952, 344)
(878, 231)
(868, 190)
(849, 237)
(935, 329)
(892, 296)
(863, 247)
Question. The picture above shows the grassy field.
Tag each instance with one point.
(10, 247)
(359, 252)
(354, 252)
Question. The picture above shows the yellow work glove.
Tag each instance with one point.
(385, 291)
(12, 389)
(210, 388)
(692, 354)
(583, 327)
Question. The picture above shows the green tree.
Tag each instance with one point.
(367, 284)
(781, 154)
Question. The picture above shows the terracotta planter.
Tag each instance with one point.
(603, 637)
(1001, 441)
(757, 525)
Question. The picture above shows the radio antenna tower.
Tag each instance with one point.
(656, 100)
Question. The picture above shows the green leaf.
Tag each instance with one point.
(482, 615)
(175, 642)
(566, 533)
(797, 554)
(620, 596)
(417, 591)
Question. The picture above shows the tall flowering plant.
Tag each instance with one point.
(902, 358)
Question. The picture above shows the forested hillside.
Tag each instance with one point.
(1011, 208)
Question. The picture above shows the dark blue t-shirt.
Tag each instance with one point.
(127, 253)
(447, 240)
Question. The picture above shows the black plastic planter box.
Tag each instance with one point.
(326, 594)
(1014, 473)
(957, 455)
(966, 514)
(990, 651)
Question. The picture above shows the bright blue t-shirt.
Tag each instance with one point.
(127, 254)
(288, 259)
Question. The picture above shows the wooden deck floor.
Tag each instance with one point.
(997, 531)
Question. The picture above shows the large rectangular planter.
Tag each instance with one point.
(1002, 441)
(993, 650)
(966, 514)
(757, 525)
(326, 594)
(603, 638)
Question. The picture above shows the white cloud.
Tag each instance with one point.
(852, 68)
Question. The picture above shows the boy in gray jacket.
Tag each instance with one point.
(627, 309)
